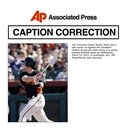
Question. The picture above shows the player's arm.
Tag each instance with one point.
(34, 79)
(27, 79)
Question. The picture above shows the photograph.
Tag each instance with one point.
(37, 82)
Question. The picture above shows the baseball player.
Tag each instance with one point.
(30, 79)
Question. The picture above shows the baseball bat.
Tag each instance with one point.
(53, 60)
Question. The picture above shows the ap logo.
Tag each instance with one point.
(39, 16)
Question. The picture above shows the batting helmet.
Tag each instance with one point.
(30, 62)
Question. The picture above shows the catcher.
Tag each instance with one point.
(33, 84)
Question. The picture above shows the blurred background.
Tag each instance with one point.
(56, 78)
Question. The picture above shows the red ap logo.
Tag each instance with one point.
(39, 16)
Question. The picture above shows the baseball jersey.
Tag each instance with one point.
(31, 89)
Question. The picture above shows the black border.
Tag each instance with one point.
(64, 38)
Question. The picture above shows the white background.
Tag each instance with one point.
(97, 97)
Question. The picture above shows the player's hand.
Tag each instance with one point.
(37, 77)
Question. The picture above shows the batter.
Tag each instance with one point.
(30, 79)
